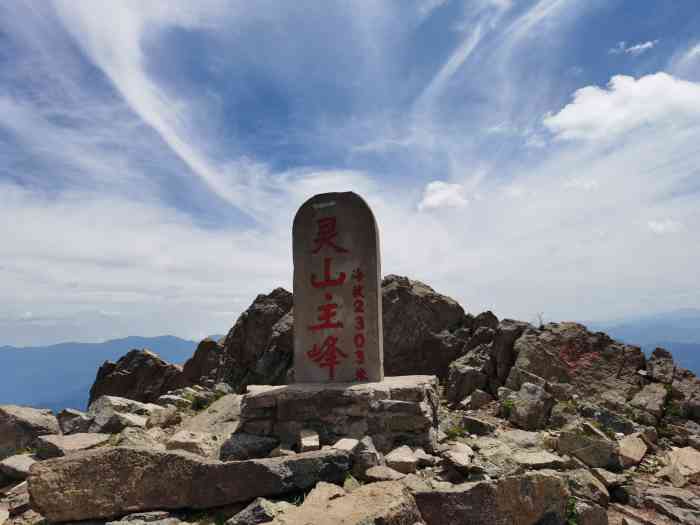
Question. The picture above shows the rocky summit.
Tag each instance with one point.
(478, 421)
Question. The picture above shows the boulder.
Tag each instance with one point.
(590, 514)
(476, 400)
(507, 332)
(530, 499)
(365, 457)
(586, 486)
(207, 366)
(651, 399)
(200, 443)
(260, 510)
(20, 426)
(531, 407)
(140, 375)
(167, 417)
(682, 506)
(419, 328)
(632, 450)
(480, 426)
(242, 446)
(539, 459)
(661, 367)
(402, 459)
(590, 446)
(16, 467)
(140, 438)
(379, 473)
(348, 445)
(111, 414)
(257, 349)
(466, 375)
(54, 446)
(597, 368)
(386, 503)
(683, 466)
(73, 421)
(91, 484)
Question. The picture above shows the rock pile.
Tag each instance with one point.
(513, 424)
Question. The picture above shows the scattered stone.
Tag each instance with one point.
(459, 456)
(632, 450)
(683, 467)
(521, 438)
(532, 498)
(167, 417)
(609, 479)
(20, 426)
(388, 503)
(538, 460)
(478, 425)
(324, 492)
(588, 445)
(241, 446)
(465, 376)
(348, 445)
(590, 514)
(380, 473)
(73, 421)
(651, 399)
(90, 484)
(585, 485)
(425, 459)
(309, 440)
(682, 506)
(16, 467)
(110, 414)
(365, 457)
(172, 400)
(260, 510)
(478, 399)
(53, 446)
(531, 407)
(138, 437)
(200, 443)
(402, 459)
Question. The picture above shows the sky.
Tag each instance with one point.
(532, 157)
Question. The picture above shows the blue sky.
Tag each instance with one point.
(523, 156)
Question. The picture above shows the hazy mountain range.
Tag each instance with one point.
(60, 375)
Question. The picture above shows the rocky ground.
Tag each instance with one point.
(529, 425)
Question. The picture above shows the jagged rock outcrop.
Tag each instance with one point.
(21, 426)
(207, 366)
(92, 484)
(140, 375)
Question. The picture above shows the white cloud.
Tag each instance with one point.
(663, 226)
(634, 50)
(439, 195)
(627, 104)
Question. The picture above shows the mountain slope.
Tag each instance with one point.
(60, 375)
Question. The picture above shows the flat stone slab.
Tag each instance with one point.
(53, 446)
(17, 467)
(93, 484)
(398, 410)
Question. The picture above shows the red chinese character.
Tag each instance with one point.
(327, 280)
(361, 374)
(326, 234)
(360, 356)
(359, 305)
(358, 291)
(327, 355)
(327, 313)
(357, 275)
(359, 322)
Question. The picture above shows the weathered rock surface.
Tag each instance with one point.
(418, 328)
(112, 414)
(683, 466)
(54, 446)
(93, 484)
(384, 503)
(632, 450)
(260, 510)
(140, 375)
(207, 366)
(590, 446)
(530, 499)
(20, 426)
(201, 443)
(402, 460)
(242, 446)
(397, 410)
(16, 467)
(531, 407)
(682, 506)
(73, 421)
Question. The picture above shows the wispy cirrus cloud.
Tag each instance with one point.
(635, 50)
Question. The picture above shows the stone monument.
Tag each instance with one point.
(339, 387)
(337, 302)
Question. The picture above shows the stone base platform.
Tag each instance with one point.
(400, 410)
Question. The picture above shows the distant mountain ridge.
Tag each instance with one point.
(60, 375)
